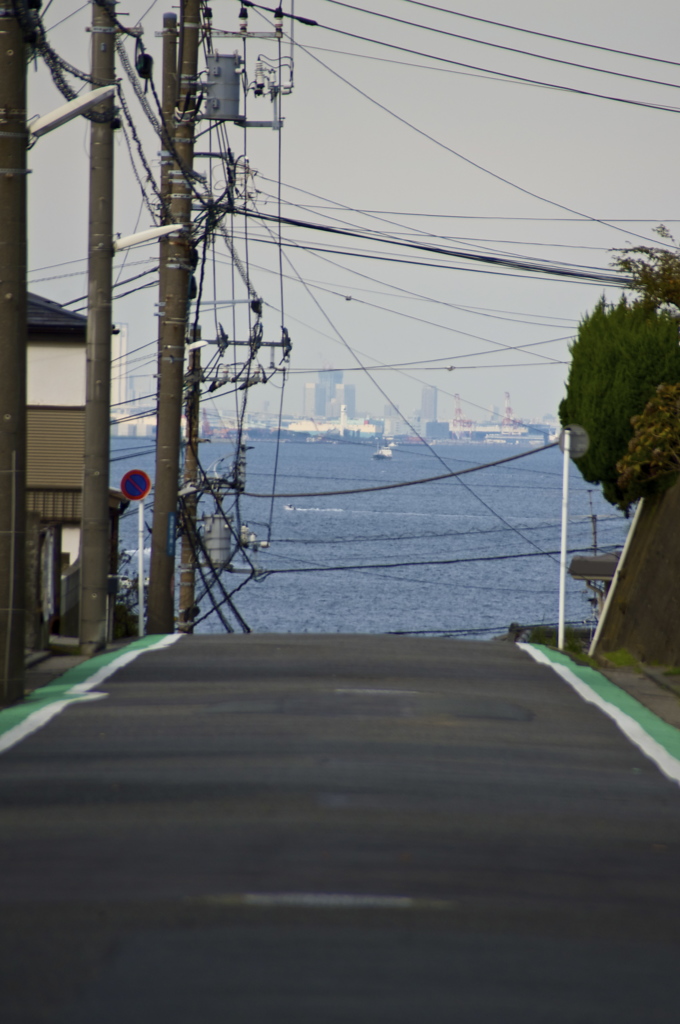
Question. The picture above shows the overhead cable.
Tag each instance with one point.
(506, 75)
(460, 156)
(403, 483)
(556, 268)
(439, 561)
(500, 46)
(544, 35)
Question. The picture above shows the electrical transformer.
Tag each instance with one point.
(216, 538)
(223, 87)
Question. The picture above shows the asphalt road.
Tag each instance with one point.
(329, 829)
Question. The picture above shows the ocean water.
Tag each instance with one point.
(436, 557)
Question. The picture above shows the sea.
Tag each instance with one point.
(465, 556)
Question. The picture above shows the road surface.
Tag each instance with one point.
(299, 829)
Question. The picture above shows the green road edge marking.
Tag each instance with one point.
(655, 738)
(35, 710)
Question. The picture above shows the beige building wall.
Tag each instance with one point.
(55, 373)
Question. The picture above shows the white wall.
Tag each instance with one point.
(70, 542)
(119, 347)
(56, 374)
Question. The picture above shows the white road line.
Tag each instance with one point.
(324, 901)
(651, 748)
(107, 670)
(76, 694)
(38, 718)
(389, 693)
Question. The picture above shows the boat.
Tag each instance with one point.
(382, 453)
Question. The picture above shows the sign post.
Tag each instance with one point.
(135, 486)
(574, 443)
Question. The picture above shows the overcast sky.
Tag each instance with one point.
(380, 139)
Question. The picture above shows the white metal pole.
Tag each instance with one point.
(140, 569)
(563, 548)
(619, 567)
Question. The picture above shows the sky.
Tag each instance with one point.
(455, 154)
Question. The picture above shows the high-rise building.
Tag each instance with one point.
(343, 394)
(329, 378)
(394, 423)
(128, 385)
(428, 405)
(314, 400)
(327, 396)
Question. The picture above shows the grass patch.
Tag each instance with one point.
(622, 658)
(585, 659)
(541, 635)
(573, 643)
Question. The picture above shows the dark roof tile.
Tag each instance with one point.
(49, 317)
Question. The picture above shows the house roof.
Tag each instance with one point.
(48, 317)
(594, 567)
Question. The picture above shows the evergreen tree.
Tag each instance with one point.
(652, 461)
(654, 271)
(621, 354)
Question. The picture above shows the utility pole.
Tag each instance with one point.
(94, 545)
(173, 304)
(13, 348)
(189, 552)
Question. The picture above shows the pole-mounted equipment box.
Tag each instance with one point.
(223, 87)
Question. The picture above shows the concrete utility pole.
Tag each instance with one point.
(189, 553)
(94, 544)
(173, 313)
(13, 349)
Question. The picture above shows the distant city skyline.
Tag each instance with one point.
(533, 176)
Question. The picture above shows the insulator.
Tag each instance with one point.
(144, 65)
(259, 78)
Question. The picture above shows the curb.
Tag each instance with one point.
(656, 739)
(658, 678)
(40, 706)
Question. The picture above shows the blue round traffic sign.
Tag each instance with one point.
(135, 485)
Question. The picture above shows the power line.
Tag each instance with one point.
(384, 394)
(382, 236)
(443, 561)
(544, 35)
(489, 313)
(507, 76)
(554, 268)
(420, 364)
(582, 519)
(455, 153)
(453, 330)
(410, 376)
(405, 483)
(501, 46)
(485, 244)
(476, 631)
(440, 265)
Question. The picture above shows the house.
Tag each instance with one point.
(55, 448)
(55, 427)
(597, 571)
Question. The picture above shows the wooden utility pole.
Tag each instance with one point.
(189, 552)
(13, 350)
(94, 544)
(175, 281)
